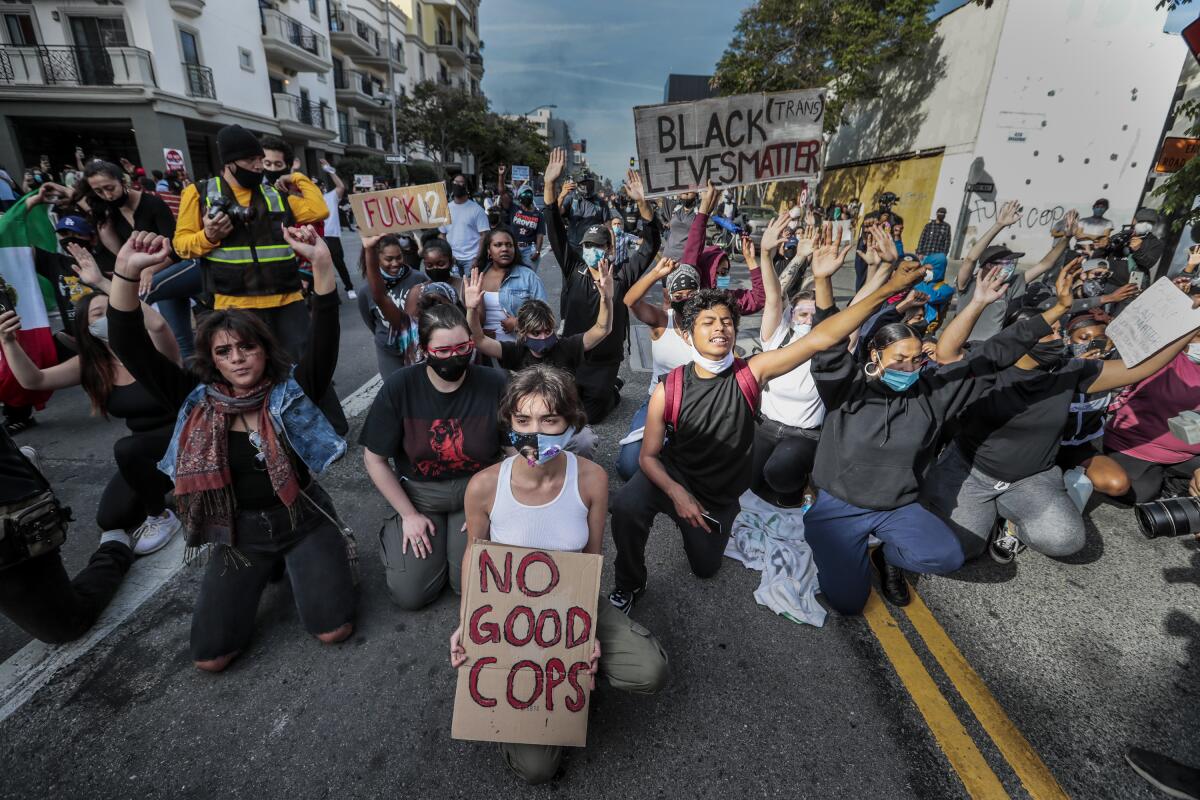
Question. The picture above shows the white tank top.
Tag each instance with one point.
(493, 315)
(792, 398)
(561, 524)
(668, 351)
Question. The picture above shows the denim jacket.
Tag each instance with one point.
(519, 285)
(294, 416)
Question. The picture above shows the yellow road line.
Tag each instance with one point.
(1025, 761)
(972, 768)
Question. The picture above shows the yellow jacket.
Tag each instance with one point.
(190, 241)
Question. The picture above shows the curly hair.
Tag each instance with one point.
(244, 327)
(705, 299)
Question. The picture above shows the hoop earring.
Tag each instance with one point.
(867, 370)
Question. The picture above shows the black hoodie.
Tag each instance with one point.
(876, 443)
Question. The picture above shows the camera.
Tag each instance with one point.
(238, 215)
(1118, 243)
(1171, 516)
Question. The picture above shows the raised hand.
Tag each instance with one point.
(1066, 282)
(774, 233)
(554, 168)
(991, 288)
(370, 242)
(1071, 222)
(142, 250)
(604, 284)
(748, 252)
(473, 290)
(500, 170)
(1126, 292)
(10, 323)
(909, 273)
(872, 255)
(912, 300)
(664, 267)
(633, 186)
(85, 265)
(828, 259)
(709, 196)
(1010, 214)
(307, 244)
(886, 244)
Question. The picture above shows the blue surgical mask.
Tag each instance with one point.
(546, 445)
(592, 256)
(723, 281)
(898, 380)
(1098, 211)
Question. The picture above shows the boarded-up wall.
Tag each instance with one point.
(913, 180)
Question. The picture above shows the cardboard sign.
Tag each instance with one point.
(397, 210)
(734, 141)
(529, 630)
(172, 158)
(364, 182)
(1159, 316)
(520, 173)
(1176, 152)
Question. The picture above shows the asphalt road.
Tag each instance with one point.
(1072, 661)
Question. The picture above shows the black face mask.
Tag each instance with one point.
(449, 369)
(116, 202)
(273, 174)
(677, 306)
(1048, 355)
(458, 192)
(438, 275)
(84, 243)
(688, 202)
(247, 178)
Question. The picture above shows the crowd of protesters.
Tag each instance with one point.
(938, 416)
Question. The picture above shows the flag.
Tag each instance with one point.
(22, 229)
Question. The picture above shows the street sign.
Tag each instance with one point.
(520, 173)
(393, 158)
(981, 188)
(1176, 152)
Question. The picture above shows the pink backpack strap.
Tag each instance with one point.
(747, 383)
(674, 397)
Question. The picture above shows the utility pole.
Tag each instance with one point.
(392, 87)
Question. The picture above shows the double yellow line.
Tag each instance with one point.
(976, 774)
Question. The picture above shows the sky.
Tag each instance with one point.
(597, 60)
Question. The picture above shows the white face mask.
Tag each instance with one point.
(929, 276)
(714, 367)
(1142, 228)
(801, 329)
(1193, 352)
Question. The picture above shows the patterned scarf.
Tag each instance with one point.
(203, 482)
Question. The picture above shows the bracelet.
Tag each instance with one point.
(126, 277)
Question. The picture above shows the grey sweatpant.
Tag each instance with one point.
(417, 582)
(970, 501)
(630, 658)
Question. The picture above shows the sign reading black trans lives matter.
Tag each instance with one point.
(734, 141)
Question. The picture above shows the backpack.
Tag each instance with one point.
(674, 391)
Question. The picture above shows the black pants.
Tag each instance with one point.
(339, 261)
(783, 460)
(597, 383)
(45, 603)
(317, 566)
(633, 512)
(1146, 478)
(138, 489)
(290, 324)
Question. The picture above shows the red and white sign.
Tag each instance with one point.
(173, 158)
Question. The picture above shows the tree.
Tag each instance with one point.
(1179, 192)
(440, 119)
(844, 45)
(509, 141)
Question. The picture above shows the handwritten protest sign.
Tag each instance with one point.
(529, 628)
(735, 141)
(520, 173)
(398, 210)
(1159, 316)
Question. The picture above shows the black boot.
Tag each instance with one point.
(891, 579)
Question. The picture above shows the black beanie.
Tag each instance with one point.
(234, 142)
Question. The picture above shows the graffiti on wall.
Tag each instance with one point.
(984, 211)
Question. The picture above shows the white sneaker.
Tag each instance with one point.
(351, 294)
(155, 532)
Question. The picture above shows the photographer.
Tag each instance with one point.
(233, 224)
(1137, 246)
(583, 208)
(35, 591)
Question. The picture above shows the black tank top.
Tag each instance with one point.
(710, 450)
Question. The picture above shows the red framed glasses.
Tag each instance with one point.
(462, 349)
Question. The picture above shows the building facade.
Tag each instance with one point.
(1026, 100)
(555, 130)
(130, 79)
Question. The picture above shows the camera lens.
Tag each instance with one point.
(1174, 516)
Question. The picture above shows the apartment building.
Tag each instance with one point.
(129, 78)
(555, 130)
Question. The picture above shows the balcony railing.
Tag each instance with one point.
(199, 81)
(345, 22)
(69, 66)
(292, 108)
(445, 39)
(280, 25)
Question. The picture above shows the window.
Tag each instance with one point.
(20, 29)
(420, 22)
(314, 10)
(246, 59)
(422, 66)
(321, 78)
(191, 50)
(99, 32)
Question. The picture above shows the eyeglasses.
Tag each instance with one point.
(461, 349)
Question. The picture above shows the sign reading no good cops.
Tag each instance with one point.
(733, 141)
(398, 210)
(529, 628)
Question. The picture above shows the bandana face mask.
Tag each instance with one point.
(538, 448)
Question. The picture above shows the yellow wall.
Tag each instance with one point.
(913, 180)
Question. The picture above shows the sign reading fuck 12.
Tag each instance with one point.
(732, 141)
(397, 210)
(529, 629)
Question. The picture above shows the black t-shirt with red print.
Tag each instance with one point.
(434, 436)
